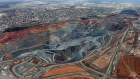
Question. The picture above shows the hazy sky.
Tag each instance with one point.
(78, 0)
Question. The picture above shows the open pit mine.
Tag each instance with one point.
(95, 48)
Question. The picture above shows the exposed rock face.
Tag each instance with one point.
(73, 50)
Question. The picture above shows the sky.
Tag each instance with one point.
(78, 0)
